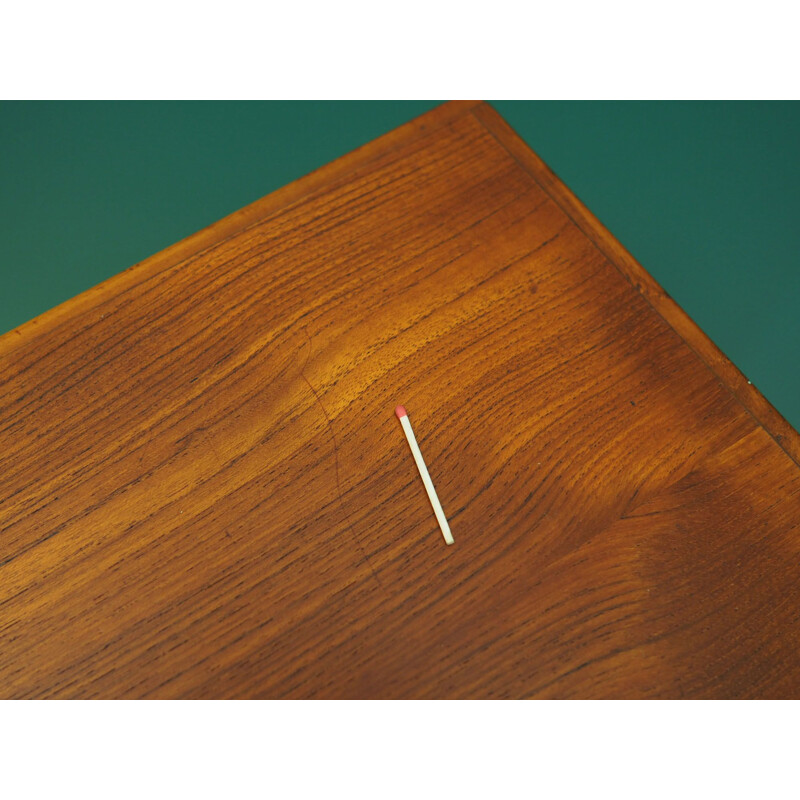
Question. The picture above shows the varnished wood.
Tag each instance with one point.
(205, 492)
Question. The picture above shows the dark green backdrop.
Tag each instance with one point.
(705, 195)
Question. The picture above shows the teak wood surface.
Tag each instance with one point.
(205, 491)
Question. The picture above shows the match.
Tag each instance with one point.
(423, 471)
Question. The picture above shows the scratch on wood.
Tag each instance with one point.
(207, 437)
(336, 460)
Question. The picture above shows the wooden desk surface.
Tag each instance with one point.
(204, 490)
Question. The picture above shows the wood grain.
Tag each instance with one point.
(204, 491)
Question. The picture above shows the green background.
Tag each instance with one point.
(705, 195)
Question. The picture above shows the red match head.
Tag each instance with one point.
(401, 412)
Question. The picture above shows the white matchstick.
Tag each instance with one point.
(423, 471)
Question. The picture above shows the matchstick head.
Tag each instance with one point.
(401, 412)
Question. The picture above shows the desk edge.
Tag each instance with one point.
(725, 371)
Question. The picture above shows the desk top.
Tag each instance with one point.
(205, 491)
